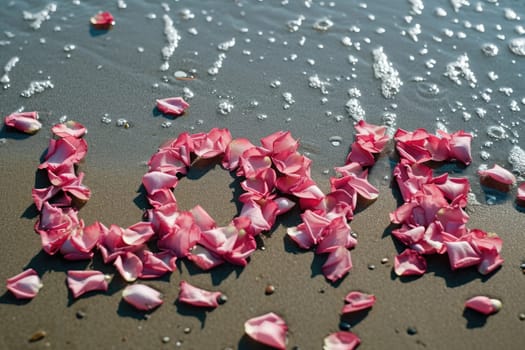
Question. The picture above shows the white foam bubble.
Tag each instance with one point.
(385, 71)
(172, 38)
(517, 46)
(354, 109)
(461, 69)
(40, 17)
(517, 159)
(36, 87)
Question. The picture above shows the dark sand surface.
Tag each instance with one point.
(433, 304)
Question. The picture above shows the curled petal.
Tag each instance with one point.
(520, 198)
(484, 305)
(26, 122)
(336, 234)
(498, 178)
(138, 233)
(301, 235)
(409, 263)
(69, 128)
(358, 301)
(268, 329)
(204, 258)
(341, 341)
(102, 21)
(156, 180)
(81, 281)
(129, 265)
(142, 297)
(338, 264)
(25, 285)
(172, 105)
(192, 295)
(234, 151)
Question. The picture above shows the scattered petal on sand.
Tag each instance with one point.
(268, 329)
(192, 295)
(409, 263)
(69, 128)
(484, 305)
(25, 285)
(341, 341)
(498, 178)
(358, 301)
(26, 122)
(102, 21)
(142, 297)
(83, 281)
(172, 105)
(520, 197)
(338, 264)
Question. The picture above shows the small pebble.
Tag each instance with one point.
(522, 266)
(384, 260)
(371, 267)
(165, 340)
(81, 314)
(222, 299)
(344, 326)
(522, 316)
(270, 289)
(187, 330)
(411, 331)
(38, 336)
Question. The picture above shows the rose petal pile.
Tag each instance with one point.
(325, 218)
(432, 218)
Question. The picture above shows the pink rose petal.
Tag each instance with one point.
(25, 285)
(268, 329)
(498, 178)
(83, 281)
(520, 197)
(26, 122)
(69, 128)
(358, 301)
(461, 254)
(341, 341)
(338, 264)
(409, 263)
(142, 297)
(172, 105)
(484, 305)
(129, 266)
(192, 295)
(102, 21)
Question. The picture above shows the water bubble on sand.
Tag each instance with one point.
(315, 82)
(519, 29)
(7, 69)
(414, 31)
(417, 6)
(39, 17)
(262, 116)
(484, 155)
(489, 49)
(121, 4)
(481, 112)
(335, 140)
(513, 106)
(295, 24)
(457, 4)
(461, 69)
(225, 46)
(511, 15)
(385, 71)
(480, 27)
(217, 65)
(151, 16)
(352, 60)
(288, 99)
(36, 87)
(105, 120)
(354, 92)
(225, 107)
(166, 124)
(354, 109)
(122, 123)
(186, 14)
(172, 38)
(440, 12)
(517, 46)
(69, 47)
(275, 84)
(517, 159)
(506, 90)
(492, 75)
(323, 24)
(187, 93)
(346, 41)
(497, 132)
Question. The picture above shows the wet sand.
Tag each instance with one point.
(432, 304)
